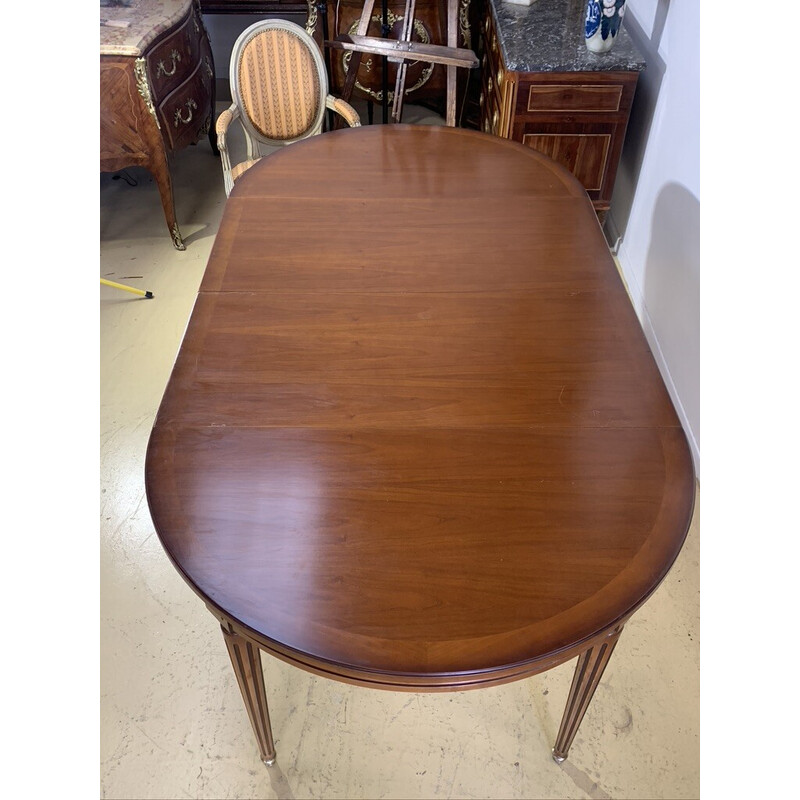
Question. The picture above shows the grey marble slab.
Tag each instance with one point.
(547, 36)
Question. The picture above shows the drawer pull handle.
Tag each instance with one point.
(499, 77)
(162, 70)
(494, 123)
(190, 104)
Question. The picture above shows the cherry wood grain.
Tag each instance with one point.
(414, 436)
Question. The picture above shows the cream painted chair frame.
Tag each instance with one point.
(253, 137)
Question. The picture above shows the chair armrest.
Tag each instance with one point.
(223, 123)
(344, 109)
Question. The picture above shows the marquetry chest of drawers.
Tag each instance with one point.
(542, 87)
(157, 88)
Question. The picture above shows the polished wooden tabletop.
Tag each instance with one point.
(415, 436)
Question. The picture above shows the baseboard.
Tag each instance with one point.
(611, 233)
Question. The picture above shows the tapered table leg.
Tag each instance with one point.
(591, 664)
(246, 660)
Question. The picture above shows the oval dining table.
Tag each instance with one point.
(415, 438)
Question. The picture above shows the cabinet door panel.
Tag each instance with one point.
(590, 151)
(585, 155)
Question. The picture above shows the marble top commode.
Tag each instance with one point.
(548, 36)
(127, 29)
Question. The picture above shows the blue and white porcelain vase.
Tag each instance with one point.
(603, 21)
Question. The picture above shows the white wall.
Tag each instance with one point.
(656, 202)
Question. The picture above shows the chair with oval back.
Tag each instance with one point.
(279, 88)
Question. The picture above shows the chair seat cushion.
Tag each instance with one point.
(236, 172)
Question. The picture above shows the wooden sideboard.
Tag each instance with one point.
(540, 86)
(157, 90)
(425, 81)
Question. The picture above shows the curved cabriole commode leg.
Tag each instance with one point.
(246, 660)
(589, 670)
(159, 168)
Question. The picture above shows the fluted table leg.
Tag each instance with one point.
(246, 660)
(589, 670)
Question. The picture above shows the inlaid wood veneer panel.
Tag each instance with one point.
(584, 154)
(574, 98)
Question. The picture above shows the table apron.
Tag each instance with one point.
(455, 682)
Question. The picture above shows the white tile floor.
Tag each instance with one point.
(172, 721)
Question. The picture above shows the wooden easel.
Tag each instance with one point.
(401, 51)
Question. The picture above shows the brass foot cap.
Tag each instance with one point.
(557, 758)
(269, 761)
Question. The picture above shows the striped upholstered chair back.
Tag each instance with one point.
(279, 88)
